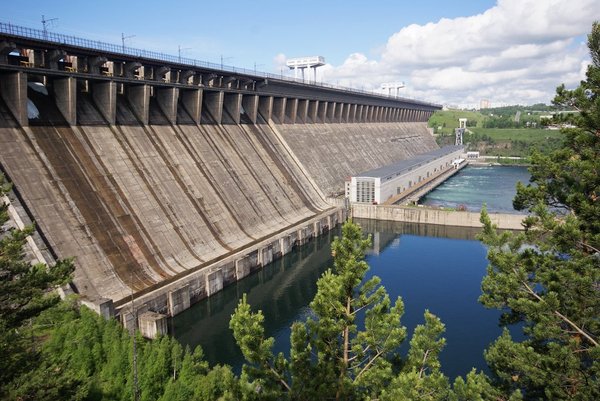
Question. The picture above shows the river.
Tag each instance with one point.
(475, 185)
(431, 267)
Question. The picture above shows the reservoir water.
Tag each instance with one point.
(476, 185)
(432, 267)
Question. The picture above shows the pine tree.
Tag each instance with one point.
(548, 278)
(25, 291)
(330, 357)
(421, 378)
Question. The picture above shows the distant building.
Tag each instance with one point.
(378, 185)
(484, 104)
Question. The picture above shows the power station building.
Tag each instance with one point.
(378, 185)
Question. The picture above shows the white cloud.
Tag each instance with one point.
(515, 52)
(279, 62)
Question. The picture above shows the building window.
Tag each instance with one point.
(365, 191)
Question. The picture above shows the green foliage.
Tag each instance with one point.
(87, 357)
(516, 142)
(547, 278)
(513, 142)
(421, 377)
(448, 120)
(332, 356)
(25, 291)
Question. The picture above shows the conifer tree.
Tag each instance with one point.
(336, 355)
(330, 357)
(548, 278)
(25, 291)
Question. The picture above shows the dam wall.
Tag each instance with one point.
(137, 204)
(334, 152)
(166, 181)
(425, 215)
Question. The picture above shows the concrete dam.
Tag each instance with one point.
(167, 180)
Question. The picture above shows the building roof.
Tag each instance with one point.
(404, 166)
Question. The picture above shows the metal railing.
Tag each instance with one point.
(58, 38)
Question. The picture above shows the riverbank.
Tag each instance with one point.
(426, 215)
(501, 161)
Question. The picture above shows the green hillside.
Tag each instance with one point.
(444, 121)
(502, 131)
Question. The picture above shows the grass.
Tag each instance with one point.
(513, 142)
(449, 119)
(528, 135)
(494, 141)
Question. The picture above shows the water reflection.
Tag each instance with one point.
(432, 267)
(282, 290)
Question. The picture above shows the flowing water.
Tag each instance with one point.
(475, 185)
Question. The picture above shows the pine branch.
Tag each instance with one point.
(557, 313)
(279, 378)
(588, 246)
(364, 369)
(422, 370)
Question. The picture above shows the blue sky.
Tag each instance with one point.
(364, 43)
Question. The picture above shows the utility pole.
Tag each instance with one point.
(180, 49)
(257, 65)
(44, 22)
(224, 59)
(123, 38)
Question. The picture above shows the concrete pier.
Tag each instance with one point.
(65, 93)
(139, 98)
(291, 111)
(233, 105)
(279, 104)
(153, 325)
(105, 98)
(179, 300)
(13, 89)
(265, 107)
(167, 99)
(213, 101)
(250, 105)
(192, 102)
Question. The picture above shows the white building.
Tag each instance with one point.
(378, 185)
